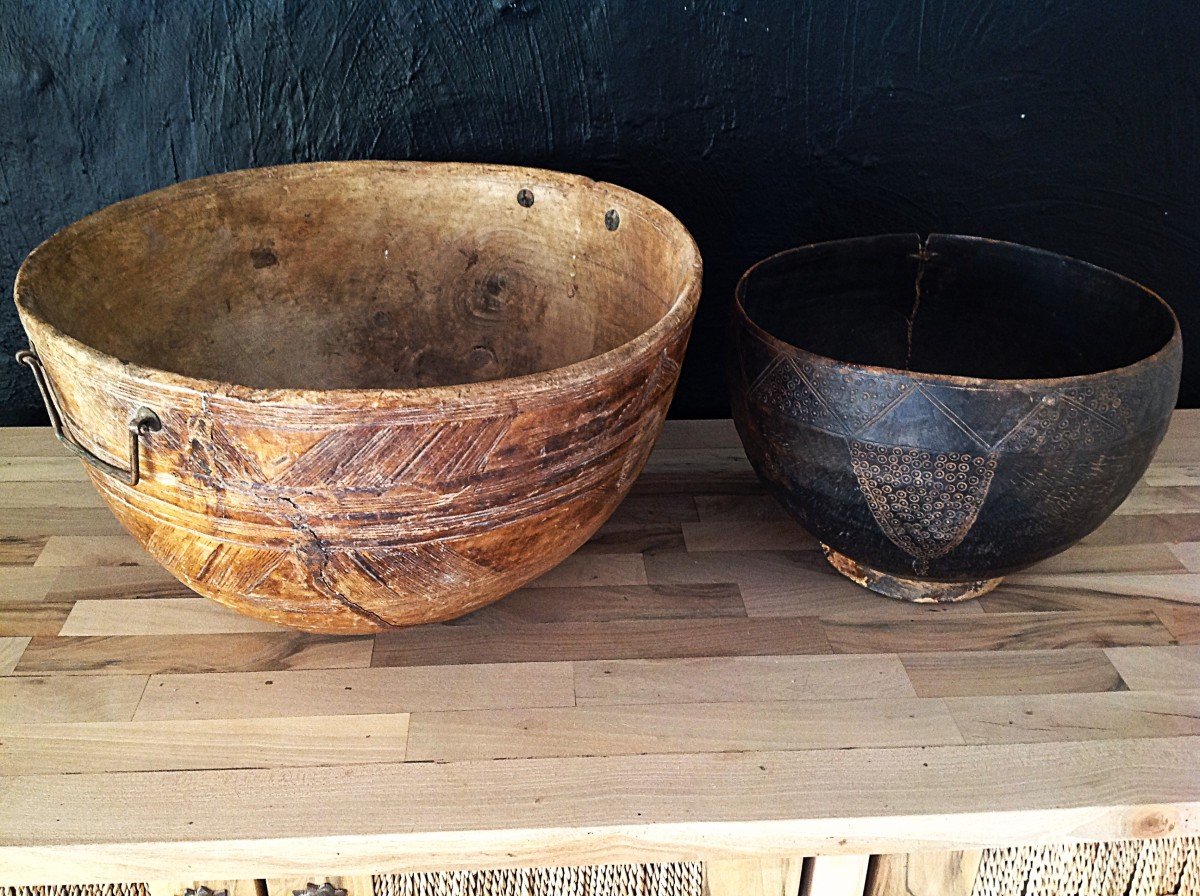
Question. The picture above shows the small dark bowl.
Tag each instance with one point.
(943, 412)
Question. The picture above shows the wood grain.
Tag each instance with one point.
(74, 748)
(1000, 631)
(657, 710)
(753, 877)
(1038, 718)
(924, 874)
(600, 604)
(640, 639)
(986, 672)
(1158, 668)
(150, 654)
(338, 692)
(679, 728)
(619, 808)
(11, 651)
(69, 699)
(740, 679)
(166, 616)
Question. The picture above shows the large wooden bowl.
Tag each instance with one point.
(942, 412)
(351, 396)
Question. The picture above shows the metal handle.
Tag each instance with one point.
(144, 421)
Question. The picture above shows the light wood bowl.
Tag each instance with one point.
(371, 394)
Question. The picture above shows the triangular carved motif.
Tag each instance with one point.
(924, 501)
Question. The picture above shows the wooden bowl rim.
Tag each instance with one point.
(1168, 348)
(578, 376)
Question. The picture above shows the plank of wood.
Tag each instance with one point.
(999, 631)
(69, 699)
(27, 522)
(1038, 718)
(1172, 473)
(679, 728)
(652, 509)
(739, 508)
(594, 569)
(950, 873)
(635, 538)
(341, 692)
(160, 616)
(93, 550)
(151, 654)
(1146, 529)
(1017, 597)
(1188, 553)
(1180, 587)
(23, 584)
(824, 593)
(26, 618)
(61, 500)
(987, 672)
(430, 816)
(21, 550)
(1120, 559)
(1146, 498)
(750, 535)
(39, 469)
(84, 747)
(113, 583)
(740, 678)
(1158, 668)
(34, 441)
(11, 650)
(625, 639)
(753, 877)
(834, 875)
(743, 567)
(1182, 622)
(721, 469)
(608, 604)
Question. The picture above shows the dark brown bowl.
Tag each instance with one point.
(943, 412)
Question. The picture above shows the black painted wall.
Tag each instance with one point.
(1068, 124)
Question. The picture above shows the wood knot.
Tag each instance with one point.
(263, 257)
(1154, 821)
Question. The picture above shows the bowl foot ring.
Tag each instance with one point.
(920, 591)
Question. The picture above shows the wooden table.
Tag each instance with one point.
(695, 684)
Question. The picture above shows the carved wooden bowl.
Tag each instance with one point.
(351, 396)
(940, 413)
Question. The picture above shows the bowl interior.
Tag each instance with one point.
(363, 275)
(959, 306)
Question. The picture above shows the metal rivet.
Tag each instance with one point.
(612, 220)
(525, 197)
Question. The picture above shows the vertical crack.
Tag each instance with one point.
(317, 546)
(923, 255)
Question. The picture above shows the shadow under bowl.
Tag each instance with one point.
(371, 394)
(941, 412)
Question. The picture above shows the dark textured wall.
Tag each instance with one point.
(1071, 125)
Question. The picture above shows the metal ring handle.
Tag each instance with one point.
(144, 421)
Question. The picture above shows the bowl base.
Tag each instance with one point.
(918, 591)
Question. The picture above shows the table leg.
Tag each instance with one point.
(753, 877)
(835, 875)
(925, 874)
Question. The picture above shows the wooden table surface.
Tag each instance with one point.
(695, 683)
